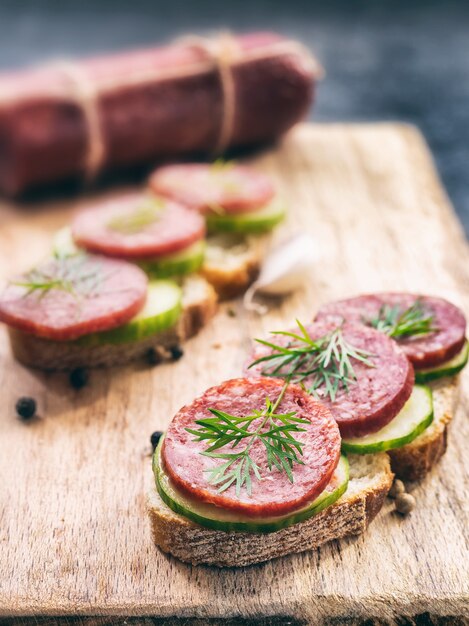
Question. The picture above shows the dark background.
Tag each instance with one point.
(385, 60)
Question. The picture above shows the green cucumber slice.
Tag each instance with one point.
(177, 264)
(253, 222)
(214, 517)
(408, 424)
(449, 368)
(161, 311)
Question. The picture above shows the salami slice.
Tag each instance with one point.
(233, 189)
(63, 299)
(273, 493)
(426, 350)
(374, 394)
(136, 226)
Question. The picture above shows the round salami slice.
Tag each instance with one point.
(446, 323)
(270, 492)
(373, 393)
(226, 188)
(63, 299)
(137, 226)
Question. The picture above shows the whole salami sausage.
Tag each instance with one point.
(73, 119)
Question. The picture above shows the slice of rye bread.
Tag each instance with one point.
(370, 481)
(232, 262)
(413, 461)
(199, 305)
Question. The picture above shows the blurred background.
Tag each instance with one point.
(385, 60)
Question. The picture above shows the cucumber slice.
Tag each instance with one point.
(178, 264)
(161, 311)
(449, 368)
(408, 424)
(211, 516)
(253, 222)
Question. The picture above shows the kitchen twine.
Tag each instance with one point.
(223, 53)
(86, 96)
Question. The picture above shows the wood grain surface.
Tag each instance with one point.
(74, 537)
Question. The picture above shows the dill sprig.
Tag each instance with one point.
(144, 215)
(221, 165)
(273, 430)
(322, 366)
(71, 274)
(411, 322)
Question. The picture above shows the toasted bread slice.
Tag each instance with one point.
(199, 302)
(232, 262)
(370, 481)
(413, 461)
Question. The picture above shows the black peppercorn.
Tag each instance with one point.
(153, 357)
(176, 352)
(155, 437)
(26, 407)
(79, 377)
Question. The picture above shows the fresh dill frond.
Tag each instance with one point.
(322, 366)
(411, 322)
(274, 430)
(72, 274)
(221, 165)
(144, 215)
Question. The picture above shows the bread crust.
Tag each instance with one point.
(199, 302)
(413, 461)
(231, 283)
(370, 481)
(232, 263)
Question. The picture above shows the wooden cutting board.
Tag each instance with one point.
(74, 537)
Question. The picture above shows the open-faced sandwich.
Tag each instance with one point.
(85, 310)
(256, 468)
(361, 356)
(165, 236)
(432, 333)
(239, 204)
(233, 198)
(253, 470)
